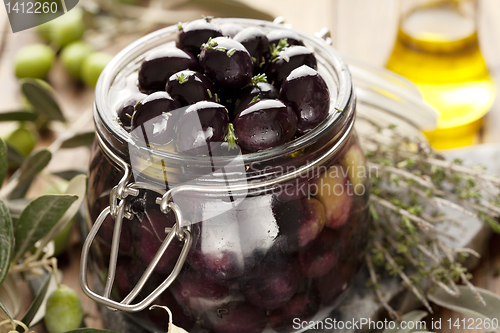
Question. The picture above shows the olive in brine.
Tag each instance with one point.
(189, 87)
(158, 66)
(227, 63)
(195, 33)
(257, 44)
(306, 92)
(155, 118)
(288, 60)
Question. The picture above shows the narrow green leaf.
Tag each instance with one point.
(36, 285)
(21, 115)
(90, 330)
(20, 190)
(413, 316)
(77, 186)
(80, 139)
(10, 296)
(37, 219)
(6, 240)
(37, 302)
(467, 304)
(69, 174)
(42, 100)
(24, 176)
(3, 161)
(14, 157)
(4, 310)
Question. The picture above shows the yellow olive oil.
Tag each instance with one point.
(437, 48)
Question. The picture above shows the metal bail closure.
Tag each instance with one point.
(182, 233)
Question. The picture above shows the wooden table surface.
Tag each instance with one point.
(364, 29)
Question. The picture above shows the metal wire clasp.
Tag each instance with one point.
(183, 234)
(119, 196)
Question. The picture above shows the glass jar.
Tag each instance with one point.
(240, 243)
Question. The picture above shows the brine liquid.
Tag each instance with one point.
(437, 48)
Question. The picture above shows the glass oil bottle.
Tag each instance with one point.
(437, 48)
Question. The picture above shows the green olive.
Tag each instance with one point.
(67, 28)
(34, 60)
(61, 240)
(72, 57)
(92, 67)
(63, 311)
(22, 139)
(58, 187)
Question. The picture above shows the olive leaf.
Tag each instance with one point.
(4, 310)
(79, 139)
(90, 330)
(21, 115)
(69, 174)
(77, 186)
(3, 160)
(6, 240)
(10, 296)
(35, 305)
(14, 157)
(37, 285)
(37, 219)
(42, 100)
(413, 316)
(467, 303)
(21, 180)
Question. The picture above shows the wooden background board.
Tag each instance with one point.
(364, 29)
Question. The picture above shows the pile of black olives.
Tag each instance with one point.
(241, 85)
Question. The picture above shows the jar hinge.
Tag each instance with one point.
(119, 196)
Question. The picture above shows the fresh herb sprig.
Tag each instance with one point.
(413, 184)
(275, 49)
(212, 45)
(230, 137)
(182, 78)
(259, 78)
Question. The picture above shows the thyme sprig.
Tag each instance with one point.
(255, 99)
(212, 45)
(182, 78)
(230, 137)
(275, 49)
(412, 187)
(259, 78)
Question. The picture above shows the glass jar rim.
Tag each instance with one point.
(342, 106)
